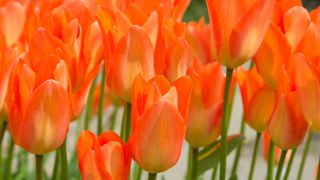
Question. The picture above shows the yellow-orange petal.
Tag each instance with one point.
(12, 19)
(287, 126)
(296, 20)
(46, 119)
(271, 56)
(160, 126)
(248, 34)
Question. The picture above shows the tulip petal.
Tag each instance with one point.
(46, 120)
(12, 19)
(156, 141)
(247, 35)
(296, 21)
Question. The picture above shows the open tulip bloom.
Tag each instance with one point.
(118, 89)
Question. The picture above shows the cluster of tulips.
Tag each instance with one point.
(175, 80)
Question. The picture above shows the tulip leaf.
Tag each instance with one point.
(210, 155)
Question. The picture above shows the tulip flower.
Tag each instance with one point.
(159, 121)
(308, 87)
(12, 20)
(257, 97)
(287, 126)
(204, 124)
(39, 108)
(238, 28)
(133, 55)
(103, 157)
(197, 34)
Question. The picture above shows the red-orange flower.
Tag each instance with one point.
(205, 114)
(38, 107)
(258, 99)
(133, 55)
(159, 120)
(238, 28)
(103, 157)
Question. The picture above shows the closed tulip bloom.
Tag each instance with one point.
(205, 113)
(257, 97)
(238, 28)
(308, 88)
(104, 157)
(159, 120)
(38, 112)
(133, 55)
(287, 126)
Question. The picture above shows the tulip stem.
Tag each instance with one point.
(214, 172)
(39, 166)
(152, 176)
(56, 165)
(3, 127)
(270, 160)
(126, 122)
(89, 105)
(238, 152)
(281, 162)
(224, 145)
(7, 170)
(137, 171)
(293, 153)
(113, 116)
(64, 160)
(254, 155)
(304, 156)
(193, 162)
(101, 101)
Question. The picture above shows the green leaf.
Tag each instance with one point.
(210, 155)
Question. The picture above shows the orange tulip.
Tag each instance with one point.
(103, 157)
(257, 97)
(159, 120)
(12, 20)
(308, 87)
(38, 107)
(287, 126)
(238, 28)
(197, 34)
(205, 114)
(8, 60)
(133, 55)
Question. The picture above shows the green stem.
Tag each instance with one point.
(3, 130)
(152, 176)
(194, 163)
(137, 171)
(254, 155)
(281, 162)
(39, 166)
(270, 160)
(7, 171)
(189, 163)
(56, 165)
(113, 116)
(223, 162)
(126, 122)
(293, 153)
(304, 156)
(89, 105)
(101, 102)
(238, 152)
(64, 160)
(214, 172)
